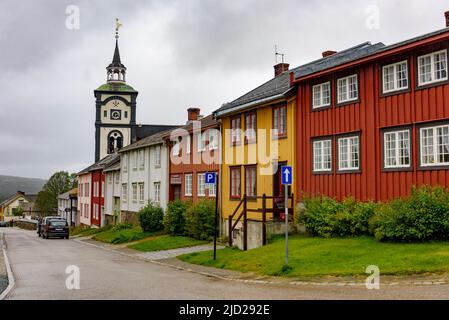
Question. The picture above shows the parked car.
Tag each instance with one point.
(43, 220)
(3, 224)
(55, 228)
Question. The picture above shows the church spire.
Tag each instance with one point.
(116, 71)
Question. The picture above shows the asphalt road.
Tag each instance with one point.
(39, 268)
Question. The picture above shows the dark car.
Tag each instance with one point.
(43, 220)
(55, 228)
(3, 224)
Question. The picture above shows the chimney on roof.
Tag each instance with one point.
(193, 114)
(446, 14)
(328, 53)
(280, 68)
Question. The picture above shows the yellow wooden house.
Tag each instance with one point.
(257, 132)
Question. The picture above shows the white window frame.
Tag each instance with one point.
(134, 191)
(176, 148)
(117, 177)
(157, 192)
(201, 142)
(432, 68)
(141, 159)
(347, 90)
(435, 146)
(320, 145)
(125, 162)
(135, 159)
(188, 143)
(157, 156)
(349, 160)
(236, 132)
(124, 192)
(397, 149)
(141, 192)
(213, 139)
(188, 187)
(201, 186)
(396, 84)
(102, 189)
(320, 88)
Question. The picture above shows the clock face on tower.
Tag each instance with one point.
(116, 114)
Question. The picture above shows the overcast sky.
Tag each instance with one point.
(178, 54)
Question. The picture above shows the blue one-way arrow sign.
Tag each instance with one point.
(287, 174)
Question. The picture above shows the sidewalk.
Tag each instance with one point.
(3, 273)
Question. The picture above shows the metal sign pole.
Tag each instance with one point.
(216, 217)
(286, 224)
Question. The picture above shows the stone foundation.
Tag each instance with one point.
(129, 217)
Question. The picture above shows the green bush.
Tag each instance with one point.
(200, 220)
(122, 226)
(323, 216)
(151, 218)
(174, 219)
(424, 215)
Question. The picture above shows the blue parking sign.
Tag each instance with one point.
(209, 178)
(287, 175)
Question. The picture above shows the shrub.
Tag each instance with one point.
(151, 217)
(424, 215)
(323, 216)
(200, 220)
(122, 226)
(174, 219)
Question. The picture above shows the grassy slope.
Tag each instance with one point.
(165, 242)
(121, 236)
(339, 257)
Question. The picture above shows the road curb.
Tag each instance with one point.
(11, 281)
(352, 283)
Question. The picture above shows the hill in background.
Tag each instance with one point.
(10, 185)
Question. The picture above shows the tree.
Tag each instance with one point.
(47, 198)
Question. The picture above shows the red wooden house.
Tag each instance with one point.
(193, 151)
(373, 120)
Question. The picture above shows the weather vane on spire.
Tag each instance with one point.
(118, 24)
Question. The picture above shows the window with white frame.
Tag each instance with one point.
(347, 89)
(213, 139)
(322, 155)
(110, 176)
(434, 146)
(157, 156)
(251, 181)
(117, 177)
(432, 67)
(321, 95)
(395, 76)
(125, 192)
(251, 127)
(141, 192)
(141, 159)
(102, 189)
(125, 162)
(175, 149)
(201, 138)
(157, 192)
(134, 191)
(397, 149)
(188, 185)
(348, 153)
(201, 185)
(135, 159)
(187, 144)
(236, 130)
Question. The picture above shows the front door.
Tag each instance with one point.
(176, 192)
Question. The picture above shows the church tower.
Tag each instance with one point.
(115, 123)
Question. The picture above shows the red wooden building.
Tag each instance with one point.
(373, 120)
(193, 151)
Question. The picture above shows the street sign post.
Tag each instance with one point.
(211, 178)
(287, 179)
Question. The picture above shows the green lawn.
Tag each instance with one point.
(80, 231)
(121, 236)
(165, 242)
(310, 257)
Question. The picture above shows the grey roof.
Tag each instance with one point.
(65, 195)
(280, 85)
(156, 138)
(101, 163)
(112, 167)
(28, 197)
(146, 130)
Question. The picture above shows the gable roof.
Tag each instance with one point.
(280, 86)
(28, 197)
(147, 130)
(156, 138)
(206, 122)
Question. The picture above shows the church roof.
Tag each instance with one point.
(120, 87)
(116, 62)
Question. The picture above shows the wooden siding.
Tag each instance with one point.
(369, 116)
